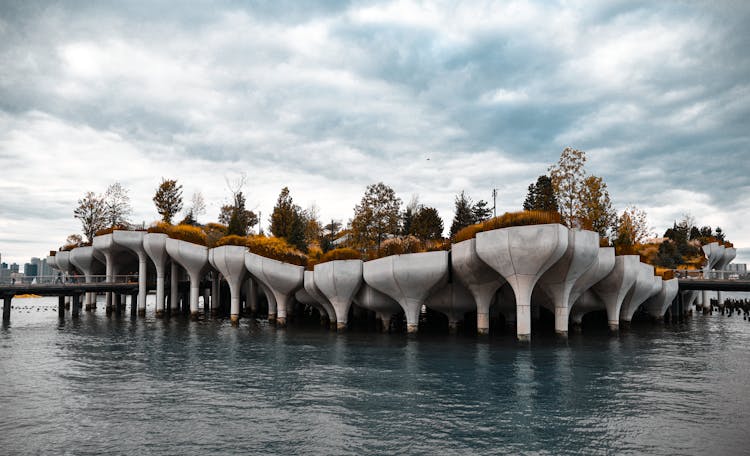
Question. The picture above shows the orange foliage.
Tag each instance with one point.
(508, 219)
(277, 249)
(188, 233)
(232, 239)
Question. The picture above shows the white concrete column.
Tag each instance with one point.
(142, 278)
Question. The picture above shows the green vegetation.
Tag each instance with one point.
(376, 217)
(468, 213)
(541, 196)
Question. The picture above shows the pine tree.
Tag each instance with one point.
(427, 224)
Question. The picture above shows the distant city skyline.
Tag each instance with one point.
(328, 97)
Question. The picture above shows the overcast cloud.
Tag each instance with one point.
(326, 98)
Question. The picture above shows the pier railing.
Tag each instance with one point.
(68, 279)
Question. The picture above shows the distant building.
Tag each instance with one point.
(31, 269)
(740, 268)
(14, 268)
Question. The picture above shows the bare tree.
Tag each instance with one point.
(117, 203)
(92, 212)
(568, 179)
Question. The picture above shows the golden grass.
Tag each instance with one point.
(232, 239)
(333, 255)
(276, 249)
(507, 220)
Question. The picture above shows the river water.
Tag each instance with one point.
(116, 385)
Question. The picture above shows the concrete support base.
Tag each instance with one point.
(194, 314)
(412, 329)
(483, 324)
(235, 319)
(523, 337)
(281, 322)
(61, 306)
(159, 313)
(141, 312)
(272, 318)
(340, 326)
(614, 326)
(562, 334)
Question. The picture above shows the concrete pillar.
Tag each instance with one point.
(252, 296)
(6, 308)
(481, 280)
(61, 306)
(194, 258)
(76, 305)
(206, 300)
(281, 279)
(215, 282)
(409, 279)
(385, 321)
(142, 278)
(522, 255)
(174, 294)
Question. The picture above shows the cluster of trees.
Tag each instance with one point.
(96, 212)
(683, 241)
(582, 200)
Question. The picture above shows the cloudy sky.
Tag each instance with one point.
(328, 97)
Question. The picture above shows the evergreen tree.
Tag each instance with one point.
(463, 214)
(376, 217)
(467, 212)
(287, 220)
(427, 224)
(541, 196)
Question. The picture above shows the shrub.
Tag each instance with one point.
(109, 230)
(188, 233)
(276, 249)
(343, 253)
(215, 232)
(68, 247)
(507, 220)
(232, 239)
(160, 227)
(398, 246)
(52, 252)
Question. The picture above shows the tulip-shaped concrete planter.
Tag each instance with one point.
(481, 280)
(281, 279)
(133, 241)
(62, 260)
(322, 300)
(409, 279)
(339, 281)
(558, 281)
(155, 246)
(642, 289)
(194, 258)
(613, 288)
(657, 305)
(383, 305)
(113, 259)
(229, 260)
(522, 254)
(602, 267)
(453, 300)
(84, 259)
(303, 297)
(587, 302)
(51, 262)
